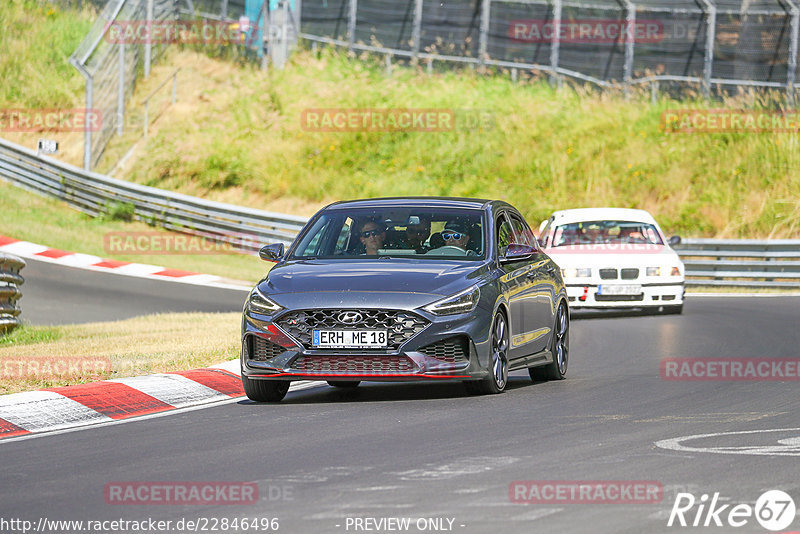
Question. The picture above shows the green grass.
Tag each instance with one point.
(29, 335)
(30, 217)
(36, 41)
(547, 149)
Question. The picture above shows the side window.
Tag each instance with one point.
(504, 234)
(522, 232)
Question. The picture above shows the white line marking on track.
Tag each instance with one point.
(784, 447)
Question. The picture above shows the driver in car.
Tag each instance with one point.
(456, 234)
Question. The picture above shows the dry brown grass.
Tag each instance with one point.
(142, 345)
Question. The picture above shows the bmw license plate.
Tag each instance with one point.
(619, 289)
(349, 339)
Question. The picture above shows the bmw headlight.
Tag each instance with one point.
(461, 302)
(258, 303)
(576, 273)
(654, 271)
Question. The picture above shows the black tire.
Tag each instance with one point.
(265, 390)
(497, 379)
(559, 348)
(675, 309)
(344, 383)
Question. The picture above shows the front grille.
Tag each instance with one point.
(609, 298)
(262, 349)
(401, 325)
(359, 364)
(608, 274)
(630, 274)
(451, 350)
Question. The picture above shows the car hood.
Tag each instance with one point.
(403, 282)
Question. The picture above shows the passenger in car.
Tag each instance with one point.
(417, 234)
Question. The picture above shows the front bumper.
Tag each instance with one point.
(585, 295)
(448, 348)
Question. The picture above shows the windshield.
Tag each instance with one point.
(420, 233)
(595, 232)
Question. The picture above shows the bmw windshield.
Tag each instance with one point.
(419, 233)
(605, 232)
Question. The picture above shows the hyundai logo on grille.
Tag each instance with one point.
(350, 317)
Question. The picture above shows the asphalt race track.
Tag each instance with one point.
(55, 294)
(324, 457)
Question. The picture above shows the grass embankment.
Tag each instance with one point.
(236, 135)
(143, 345)
(29, 217)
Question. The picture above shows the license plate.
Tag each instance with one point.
(619, 290)
(349, 339)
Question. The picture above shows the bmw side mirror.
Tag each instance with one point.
(517, 252)
(271, 252)
(674, 240)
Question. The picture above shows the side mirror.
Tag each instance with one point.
(517, 252)
(674, 240)
(271, 252)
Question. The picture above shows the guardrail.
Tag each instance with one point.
(741, 262)
(96, 194)
(10, 280)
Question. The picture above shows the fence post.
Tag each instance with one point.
(555, 43)
(416, 31)
(351, 25)
(630, 22)
(148, 45)
(791, 70)
(483, 43)
(708, 62)
(121, 90)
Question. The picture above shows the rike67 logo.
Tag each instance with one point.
(774, 510)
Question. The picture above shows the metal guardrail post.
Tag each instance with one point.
(555, 43)
(416, 31)
(630, 23)
(148, 45)
(791, 68)
(708, 60)
(483, 43)
(351, 25)
(10, 280)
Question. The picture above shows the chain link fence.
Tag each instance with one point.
(111, 67)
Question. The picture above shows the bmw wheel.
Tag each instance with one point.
(498, 360)
(265, 390)
(559, 348)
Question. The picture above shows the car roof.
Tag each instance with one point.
(602, 214)
(414, 202)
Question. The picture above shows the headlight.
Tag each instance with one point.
(461, 302)
(258, 303)
(654, 271)
(675, 271)
(576, 273)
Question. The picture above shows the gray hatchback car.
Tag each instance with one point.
(406, 289)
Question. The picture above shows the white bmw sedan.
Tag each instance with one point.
(614, 258)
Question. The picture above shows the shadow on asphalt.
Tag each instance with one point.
(389, 392)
